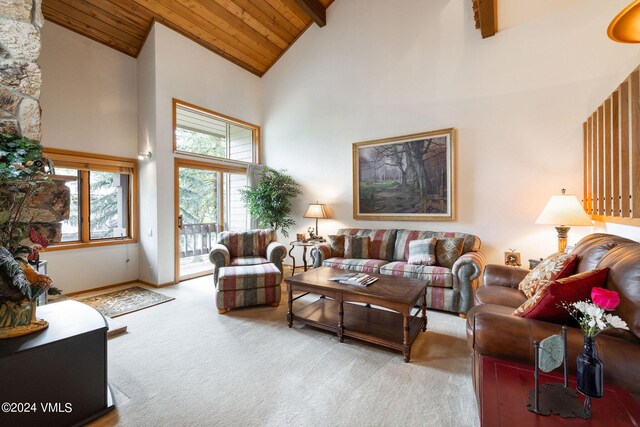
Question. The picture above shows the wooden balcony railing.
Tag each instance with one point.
(197, 239)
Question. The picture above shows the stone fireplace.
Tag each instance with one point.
(20, 84)
(20, 75)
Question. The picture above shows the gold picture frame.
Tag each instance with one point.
(405, 178)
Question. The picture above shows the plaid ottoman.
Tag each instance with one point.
(247, 285)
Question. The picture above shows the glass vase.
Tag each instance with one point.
(590, 374)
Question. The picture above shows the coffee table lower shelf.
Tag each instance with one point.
(369, 324)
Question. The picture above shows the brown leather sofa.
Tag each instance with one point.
(493, 331)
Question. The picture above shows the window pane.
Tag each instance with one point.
(200, 143)
(199, 132)
(71, 227)
(199, 209)
(108, 205)
(240, 143)
(236, 217)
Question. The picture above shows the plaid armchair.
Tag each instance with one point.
(245, 248)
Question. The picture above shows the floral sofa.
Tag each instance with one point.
(449, 289)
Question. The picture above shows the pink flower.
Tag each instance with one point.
(607, 300)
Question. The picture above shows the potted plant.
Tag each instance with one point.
(270, 201)
(22, 178)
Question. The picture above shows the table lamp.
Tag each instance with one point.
(318, 211)
(563, 211)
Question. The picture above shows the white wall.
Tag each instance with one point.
(146, 97)
(517, 100)
(191, 73)
(88, 95)
(88, 104)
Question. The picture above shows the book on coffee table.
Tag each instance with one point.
(356, 279)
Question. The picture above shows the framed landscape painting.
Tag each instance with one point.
(409, 177)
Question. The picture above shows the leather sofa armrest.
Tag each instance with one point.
(468, 271)
(503, 336)
(219, 257)
(320, 252)
(503, 275)
(276, 253)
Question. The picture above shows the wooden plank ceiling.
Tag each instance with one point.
(250, 33)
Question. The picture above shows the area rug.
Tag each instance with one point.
(125, 301)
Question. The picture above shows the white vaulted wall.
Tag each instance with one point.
(184, 70)
(88, 104)
(517, 100)
(378, 69)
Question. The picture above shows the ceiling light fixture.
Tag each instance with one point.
(625, 27)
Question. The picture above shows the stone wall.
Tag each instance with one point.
(20, 76)
(20, 83)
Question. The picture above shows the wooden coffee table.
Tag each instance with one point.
(334, 310)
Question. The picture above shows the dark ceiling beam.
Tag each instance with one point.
(315, 10)
(485, 15)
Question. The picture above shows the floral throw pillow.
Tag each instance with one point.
(336, 242)
(356, 247)
(547, 303)
(556, 266)
(423, 251)
(448, 250)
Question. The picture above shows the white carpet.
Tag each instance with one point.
(183, 364)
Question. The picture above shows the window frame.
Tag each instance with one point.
(218, 116)
(85, 163)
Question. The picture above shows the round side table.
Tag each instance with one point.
(304, 245)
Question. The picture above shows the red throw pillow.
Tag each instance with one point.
(546, 303)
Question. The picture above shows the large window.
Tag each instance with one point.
(103, 198)
(205, 133)
(213, 153)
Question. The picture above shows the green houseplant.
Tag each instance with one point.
(270, 201)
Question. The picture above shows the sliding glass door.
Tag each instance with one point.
(208, 201)
(198, 219)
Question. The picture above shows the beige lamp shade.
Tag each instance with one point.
(625, 27)
(564, 209)
(316, 210)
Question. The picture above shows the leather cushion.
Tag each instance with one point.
(593, 247)
(547, 303)
(502, 275)
(483, 308)
(624, 278)
(499, 295)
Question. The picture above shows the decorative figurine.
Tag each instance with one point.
(555, 398)
(512, 258)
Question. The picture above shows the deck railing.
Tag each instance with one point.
(197, 239)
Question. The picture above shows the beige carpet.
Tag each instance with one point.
(183, 364)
